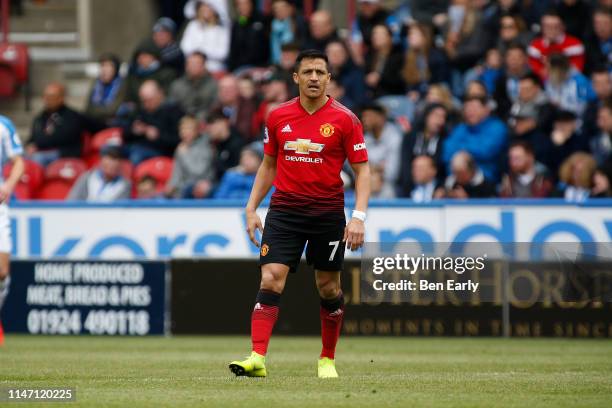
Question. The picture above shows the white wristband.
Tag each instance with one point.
(360, 215)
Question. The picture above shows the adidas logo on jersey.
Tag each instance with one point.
(286, 129)
(258, 306)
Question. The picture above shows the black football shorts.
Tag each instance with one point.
(285, 235)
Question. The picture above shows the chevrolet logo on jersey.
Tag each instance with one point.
(303, 146)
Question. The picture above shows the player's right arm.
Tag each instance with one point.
(262, 185)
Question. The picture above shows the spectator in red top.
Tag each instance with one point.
(274, 92)
(554, 40)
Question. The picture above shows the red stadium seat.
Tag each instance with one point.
(107, 136)
(16, 57)
(57, 189)
(65, 169)
(30, 182)
(160, 168)
(8, 82)
(15, 71)
(103, 137)
(86, 146)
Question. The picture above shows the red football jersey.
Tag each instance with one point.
(310, 150)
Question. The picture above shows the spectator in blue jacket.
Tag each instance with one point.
(481, 135)
(238, 181)
(566, 87)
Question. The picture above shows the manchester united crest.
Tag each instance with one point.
(264, 249)
(326, 130)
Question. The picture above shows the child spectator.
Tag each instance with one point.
(146, 188)
(237, 182)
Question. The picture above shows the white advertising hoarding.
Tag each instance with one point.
(162, 230)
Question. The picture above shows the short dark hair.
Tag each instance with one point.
(199, 54)
(483, 101)
(559, 60)
(600, 69)
(291, 47)
(216, 115)
(310, 54)
(533, 77)
(431, 160)
(374, 107)
(525, 145)
(565, 116)
(147, 178)
(552, 12)
(603, 10)
(515, 45)
(113, 59)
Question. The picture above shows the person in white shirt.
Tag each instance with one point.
(104, 183)
(424, 173)
(10, 150)
(207, 34)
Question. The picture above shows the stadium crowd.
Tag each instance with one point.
(458, 99)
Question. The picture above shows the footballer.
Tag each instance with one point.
(10, 150)
(306, 143)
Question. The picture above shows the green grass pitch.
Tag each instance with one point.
(375, 372)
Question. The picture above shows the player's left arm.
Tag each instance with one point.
(354, 233)
(6, 189)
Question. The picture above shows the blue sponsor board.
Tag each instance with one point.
(97, 298)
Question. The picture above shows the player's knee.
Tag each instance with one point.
(328, 288)
(272, 279)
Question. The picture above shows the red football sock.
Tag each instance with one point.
(263, 318)
(332, 314)
(1, 334)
